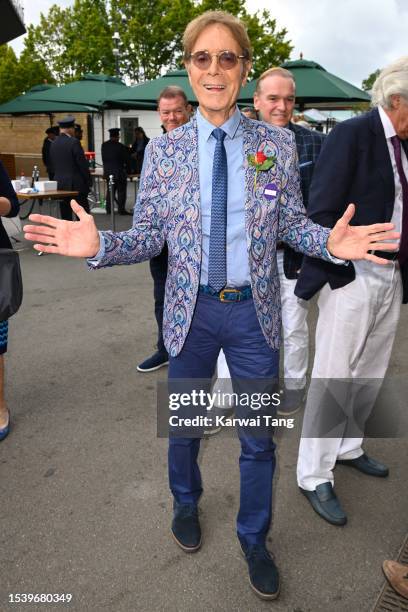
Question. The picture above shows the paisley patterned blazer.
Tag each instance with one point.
(168, 210)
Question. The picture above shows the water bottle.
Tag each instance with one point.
(23, 180)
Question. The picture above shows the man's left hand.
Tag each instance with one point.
(355, 242)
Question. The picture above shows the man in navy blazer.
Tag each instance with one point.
(364, 160)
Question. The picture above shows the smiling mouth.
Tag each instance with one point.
(211, 87)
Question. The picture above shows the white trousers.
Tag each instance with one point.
(294, 331)
(354, 338)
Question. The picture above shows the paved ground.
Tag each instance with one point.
(85, 507)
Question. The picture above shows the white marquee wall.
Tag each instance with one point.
(148, 120)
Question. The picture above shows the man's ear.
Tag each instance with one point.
(395, 101)
(256, 102)
(246, 70)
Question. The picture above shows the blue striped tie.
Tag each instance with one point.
(217, 264)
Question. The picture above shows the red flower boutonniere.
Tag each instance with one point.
(261, 162)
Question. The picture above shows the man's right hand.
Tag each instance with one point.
(72, 238)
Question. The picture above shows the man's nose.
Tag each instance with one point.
(214, 66)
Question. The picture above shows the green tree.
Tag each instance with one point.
(32, 70)
(78, 39)
(88, 39)
(368, 83)
(270, 47)
(150, 33)
(47, 41)
(9, 88)
(74, 40)
(19, 75)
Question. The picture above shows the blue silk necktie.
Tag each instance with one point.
(217, 264)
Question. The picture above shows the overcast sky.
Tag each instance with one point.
(350, 38)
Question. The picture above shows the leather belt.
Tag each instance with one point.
(390, 255)
(228, 294)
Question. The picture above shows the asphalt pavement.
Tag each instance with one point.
(85, 506)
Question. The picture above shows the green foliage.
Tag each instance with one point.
(88, 39)
(151, 35)
(32, 70)
(8, 70)
(19, 75)
(47, 40)
(75, 40)
(269, 45)
(261, 166)
(368, 83)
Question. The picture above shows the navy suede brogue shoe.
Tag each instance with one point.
(367, 465)
(263, 573)
(324, 501)
(156, 361)
(186, 528)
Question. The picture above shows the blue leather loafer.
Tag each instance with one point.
(367, 465)
(263, 573)
(185, 527)
(324, 501)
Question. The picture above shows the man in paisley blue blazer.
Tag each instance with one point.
(221, 217)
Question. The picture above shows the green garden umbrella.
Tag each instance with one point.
(32, 102)
(90, 90)
(315, 87)
(26, 106)
(145, 94)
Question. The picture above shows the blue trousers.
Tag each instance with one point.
(234, 327)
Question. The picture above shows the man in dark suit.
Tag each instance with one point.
(52, 133)
(363, 160)
(70, 166)
(116, 161)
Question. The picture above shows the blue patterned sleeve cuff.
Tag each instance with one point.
(94, 261)
(336, 260)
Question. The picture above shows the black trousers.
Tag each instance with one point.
(158, 269)
(65, 206)
(119, 193)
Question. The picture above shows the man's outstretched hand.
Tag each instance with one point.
(354, 242)
(72, 238)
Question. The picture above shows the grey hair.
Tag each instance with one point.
(392, 80)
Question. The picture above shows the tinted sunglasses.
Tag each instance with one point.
(226, 59)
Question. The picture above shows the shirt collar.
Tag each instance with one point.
(230, 126)
(389, 130)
